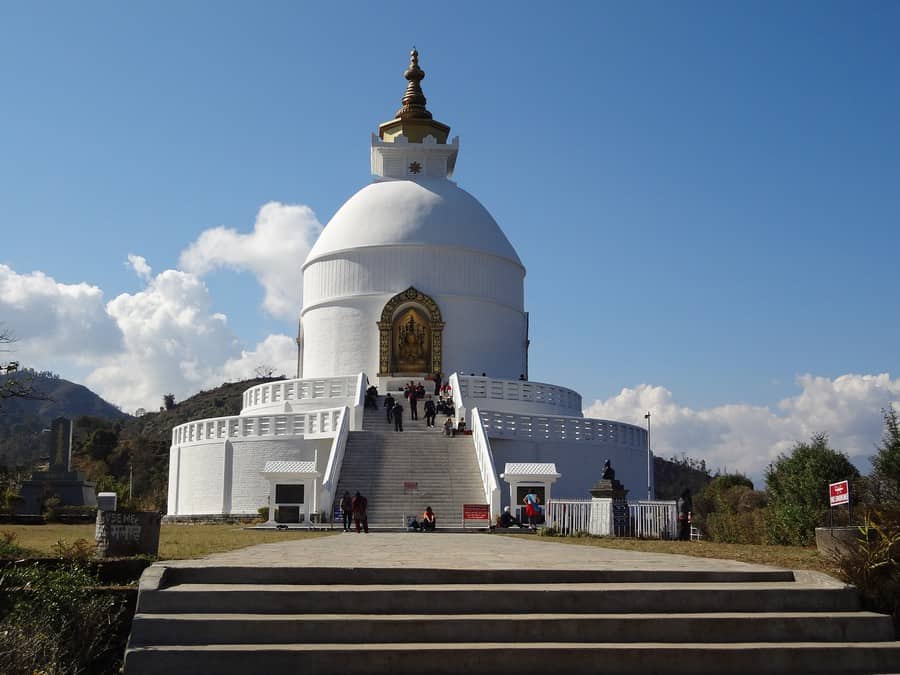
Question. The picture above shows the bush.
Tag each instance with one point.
(9, 549)
(263, 512)
(55, 622)
(797, 485)
(730, 511)
(80, 549)
(874, 565)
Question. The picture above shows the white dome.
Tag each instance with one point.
(430, 212)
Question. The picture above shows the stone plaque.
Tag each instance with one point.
(125, 533)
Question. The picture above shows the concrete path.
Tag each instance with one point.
(459, 551)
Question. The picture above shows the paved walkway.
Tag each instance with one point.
(460, 551)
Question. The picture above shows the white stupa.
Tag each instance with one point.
(412, 279)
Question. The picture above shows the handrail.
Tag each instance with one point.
(456, 393)
(485, 459)
(335, 460)
(309, 424)
(300, 390)
(562, 428)
(358, 409)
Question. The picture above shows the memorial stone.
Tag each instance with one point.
(126, 533)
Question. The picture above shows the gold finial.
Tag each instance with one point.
(414, 100)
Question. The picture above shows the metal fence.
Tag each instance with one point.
(644, 519)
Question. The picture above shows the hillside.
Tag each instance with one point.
(22, 420)
(108, 451)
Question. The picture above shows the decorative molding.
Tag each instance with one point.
(430, 308)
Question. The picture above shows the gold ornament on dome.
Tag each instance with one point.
(410, 333)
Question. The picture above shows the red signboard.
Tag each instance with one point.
(476, 512)
(839, 493)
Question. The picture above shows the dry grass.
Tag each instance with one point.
(789, 557)
(176, 541)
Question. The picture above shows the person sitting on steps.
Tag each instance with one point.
(507, 519)
(429, 522)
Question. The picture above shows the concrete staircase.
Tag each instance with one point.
(402, 473)
(399, 620)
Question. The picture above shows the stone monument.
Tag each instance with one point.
(59, 481)
(611, 491)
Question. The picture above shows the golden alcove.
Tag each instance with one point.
(410, 335)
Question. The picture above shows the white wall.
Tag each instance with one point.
(579, 462)
(479, 336)
(223, 477)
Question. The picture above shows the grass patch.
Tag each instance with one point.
(789, 557)
(176, 540)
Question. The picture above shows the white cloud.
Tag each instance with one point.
(281, 239)
(746, 438)
(173, 342)
(54, 320)
(277, 353)
(138, 263)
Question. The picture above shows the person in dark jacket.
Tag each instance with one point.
(389, 404)
(430, 412)
(397, 412)
(360, 506)
(347, 510)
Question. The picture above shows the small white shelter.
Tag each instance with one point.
(293, 491)
(525, 477)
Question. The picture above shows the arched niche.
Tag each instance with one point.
(410, 333)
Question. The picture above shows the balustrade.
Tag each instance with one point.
(315, 423)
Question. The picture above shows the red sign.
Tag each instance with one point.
(476, 512)
(839, 493)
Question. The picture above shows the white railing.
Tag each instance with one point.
(335, 461)
(555, 427)
(569, 515)
(358, 406)
(653, 520)
(313, 424)
(485, 464)
(646, 519)
(478, 390)
(295, 391)
(458, 402)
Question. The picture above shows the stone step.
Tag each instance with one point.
(227, 574)
(351, 657)
(413, 598)
(185, 629)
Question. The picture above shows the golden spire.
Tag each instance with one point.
(413, 121)
(414, 100)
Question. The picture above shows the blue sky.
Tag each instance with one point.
(704, 194)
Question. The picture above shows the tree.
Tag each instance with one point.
(886, 463)
(797, 486)
(169, 401)
(729, 510)
(14, 384)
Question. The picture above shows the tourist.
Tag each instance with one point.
(430, 412)
(412, 525)
(397, 412)
(507, 519)
(461, 427)
(389, 404)
(685, 504)
(371, 396)
(448, 427)
(359, 507)
(532, 508)
(347, 509)
(413, 405)
(522, 377)
(437, 384)
(429, 522)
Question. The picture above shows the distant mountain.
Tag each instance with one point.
(63, 399)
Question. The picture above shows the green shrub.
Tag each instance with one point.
(9, 549)
(797, 485)
(730, 511)
(263, 512)
(874, 565)
(55, 621)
